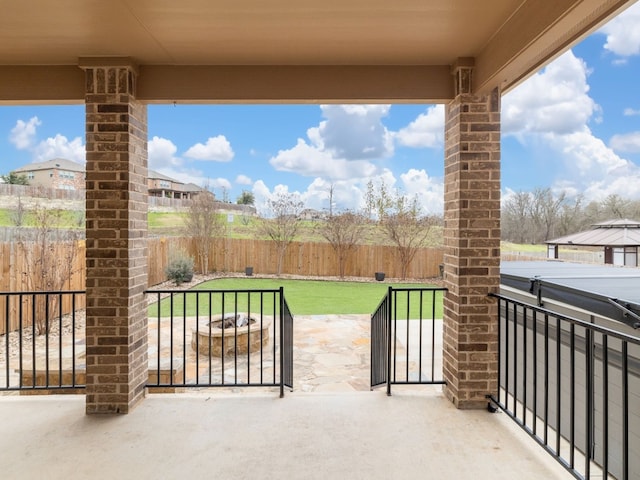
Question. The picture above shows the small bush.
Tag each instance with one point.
(180, 269)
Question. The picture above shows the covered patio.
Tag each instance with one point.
(259, 436)
(118, 57)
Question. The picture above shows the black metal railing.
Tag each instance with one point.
(190, 348)
(573, 386)
(406, 338)
(42, 340)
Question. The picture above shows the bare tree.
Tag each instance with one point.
(283, 224)
(403, 223)
(547, 210)
(49, 250)
(18, 213)
(616, 206)
(204, 225)
(571, 218)
(343, 232)
(515, 218)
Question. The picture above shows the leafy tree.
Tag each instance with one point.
(204, 225)
(15, 179)
(246, 198)
(343, 232)
(283, 224)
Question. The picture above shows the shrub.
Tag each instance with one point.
(180, 268)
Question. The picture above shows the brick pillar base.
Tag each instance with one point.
(472, 248)
(116, 203)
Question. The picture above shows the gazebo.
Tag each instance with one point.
(620, 239)
(118, 57)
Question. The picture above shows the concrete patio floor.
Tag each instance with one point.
(219, 435)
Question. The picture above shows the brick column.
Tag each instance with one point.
(472, 244)
(116, 202)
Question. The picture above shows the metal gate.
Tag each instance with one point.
(44, 347)
(406, 338)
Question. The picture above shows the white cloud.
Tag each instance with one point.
(310, 160)
(552, 101)
(426, 131)
(553, 108)
(428, 191)
(630, 112)
(355, 132)
(220, 183)
(623, 34)
(162, 154)
(243, 180)
(343, 146)
(23, 135)
(217, 149)
(60, 147)
(586, 155)
(627, 142)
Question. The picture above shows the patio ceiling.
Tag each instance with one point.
(286, 50)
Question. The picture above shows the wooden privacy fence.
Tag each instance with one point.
(231, 255)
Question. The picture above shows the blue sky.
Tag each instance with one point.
(574, 127)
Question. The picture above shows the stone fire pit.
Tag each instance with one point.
(241, 334)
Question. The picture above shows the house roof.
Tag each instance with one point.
(613, 233)
(55, 164)
(287, 50)
(153, 175)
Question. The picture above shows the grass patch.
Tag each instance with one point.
(304, 297)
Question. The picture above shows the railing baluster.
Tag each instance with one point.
(588, 449)
(197, 340)
(249, 338)
(625, 410)
(525, 359)
(546, 379)
(558, 384)
(33, 340)
(577, 433)
(572, 394)
(7, 329)
(605, 406)
(535, 372)
(73, 340)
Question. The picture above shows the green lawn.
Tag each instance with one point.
(304, 297)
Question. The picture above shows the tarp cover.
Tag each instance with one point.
(590, 287)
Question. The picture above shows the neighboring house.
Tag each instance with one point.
(312, 214)
(68, 175)
(620, 239)
(57, 173)
(160, 185)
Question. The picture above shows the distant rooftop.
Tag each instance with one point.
(60, 163)
(616, 233)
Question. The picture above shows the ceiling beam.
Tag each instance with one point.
(240, 84)
(295, 84)
(41, 85)
(533, 36)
